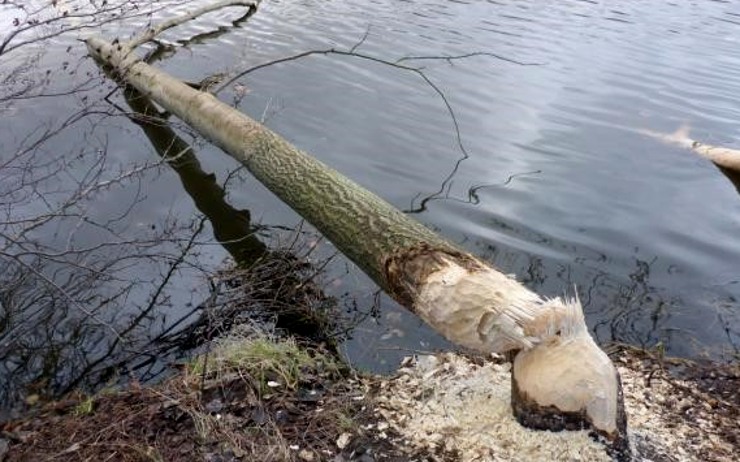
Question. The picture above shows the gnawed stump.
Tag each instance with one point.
(569, 383)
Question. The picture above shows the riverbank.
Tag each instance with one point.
(258, 396)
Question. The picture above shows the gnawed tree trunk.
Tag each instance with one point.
(727, 160)
(562, 380)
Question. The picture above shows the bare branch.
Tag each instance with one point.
(395, 64)
(154, 31)
(50, 22)
(451, 58)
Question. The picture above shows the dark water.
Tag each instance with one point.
(546, 178)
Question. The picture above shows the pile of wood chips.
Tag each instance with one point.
(452, 406)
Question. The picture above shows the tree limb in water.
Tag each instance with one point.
(562, 380)
(723, 157)
(726, 159)
(152, 32)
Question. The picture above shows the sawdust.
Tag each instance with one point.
(455, 407)
(448, 407)
(448, 404)
(672, 419)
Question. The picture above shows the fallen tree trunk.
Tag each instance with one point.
(727, 160)
(562, 380)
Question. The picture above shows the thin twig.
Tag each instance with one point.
(153, 31)
(472, 54)
(352, 52)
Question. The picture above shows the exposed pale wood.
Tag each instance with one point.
(724, 157)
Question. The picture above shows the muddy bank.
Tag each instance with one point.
(256, 396)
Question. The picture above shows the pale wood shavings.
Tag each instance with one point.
(671, 419)
(449, 404)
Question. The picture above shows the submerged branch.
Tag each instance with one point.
(154, 31)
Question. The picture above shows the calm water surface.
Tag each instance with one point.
(557, 186)
(547, 178)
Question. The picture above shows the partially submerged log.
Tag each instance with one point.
(725, 158)
(560, 374)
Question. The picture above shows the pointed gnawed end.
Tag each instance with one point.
(682, 133)
(678, 138)
(566, 382)
(681, 137)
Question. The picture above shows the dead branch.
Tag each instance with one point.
(154, 31)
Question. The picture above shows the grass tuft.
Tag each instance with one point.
(85, 407)
(270, 362)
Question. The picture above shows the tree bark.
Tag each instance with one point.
(466, 300)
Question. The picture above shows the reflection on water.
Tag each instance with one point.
(555, 183)
(731, 175)
(280, 282)
(231, 227)
(83, 316)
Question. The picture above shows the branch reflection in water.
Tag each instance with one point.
(285, 280)
(50, 352)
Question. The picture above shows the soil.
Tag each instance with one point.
(678, 409)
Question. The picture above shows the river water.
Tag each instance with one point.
(524, 149)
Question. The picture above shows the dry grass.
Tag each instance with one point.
(255, 398)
